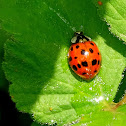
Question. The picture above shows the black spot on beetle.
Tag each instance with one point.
(85, 64)
(91, 43)
(98, 62)
(98, 53)
(94, 62)
(79, 65)
(91, 50)
(83, 52)
(75, 57)
(71, 49)
(74, 67)
(83, 73)
(95, 71)
(70, 58)
(77, 46)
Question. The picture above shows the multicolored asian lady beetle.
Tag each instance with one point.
(84, 57)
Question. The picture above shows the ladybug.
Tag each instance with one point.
(84, 57)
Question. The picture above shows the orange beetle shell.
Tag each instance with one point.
(85, 59)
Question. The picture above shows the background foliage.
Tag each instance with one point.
(37, 35)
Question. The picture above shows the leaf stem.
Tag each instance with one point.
(123, 101)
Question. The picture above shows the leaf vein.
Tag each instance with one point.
(117, 11)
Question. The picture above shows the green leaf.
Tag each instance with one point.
(3, 82)
(113, 12)
(105, 118)
(121, 89)
(36, 60)
(35, 124)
